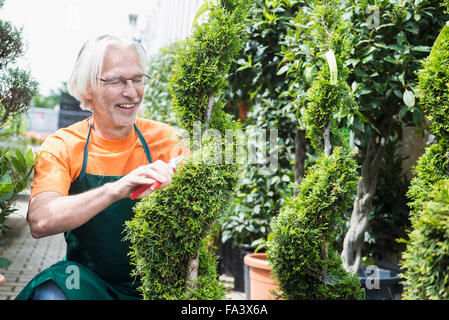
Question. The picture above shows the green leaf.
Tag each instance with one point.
(409, 98)
(421, 48)
(403, 111)
(282, 70)
(204, 7)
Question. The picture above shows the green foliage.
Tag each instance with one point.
(261, 193)
(256, 72)
(434, 86)
(15, 170)
(427, 256)
(51, 100)
(255, 78)
(389, 218)
(200, 71)
(157, 100)
(431, 167)
(302, 249)
(433, 90)
(305, 223)
(16, 91)
(170, 225)
(390, 43)
(16, 86)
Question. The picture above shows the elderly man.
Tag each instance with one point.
(87, 171)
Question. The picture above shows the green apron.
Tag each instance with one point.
(96, 265)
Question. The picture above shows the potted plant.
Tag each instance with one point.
(17, 89)
(302, 250)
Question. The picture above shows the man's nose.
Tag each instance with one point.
(129, 90)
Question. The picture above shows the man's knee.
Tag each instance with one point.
(48, 290)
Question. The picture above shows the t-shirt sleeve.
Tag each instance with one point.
(52, 172)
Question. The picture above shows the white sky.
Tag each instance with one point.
(55, 30)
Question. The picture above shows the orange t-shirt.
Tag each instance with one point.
(62, 154)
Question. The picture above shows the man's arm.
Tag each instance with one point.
(50, 213)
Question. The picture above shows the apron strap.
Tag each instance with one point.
(139, 134)
(83, 169)
(144, 144)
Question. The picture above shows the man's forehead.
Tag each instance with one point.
(119, 59)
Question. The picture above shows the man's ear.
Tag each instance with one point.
(88, 96)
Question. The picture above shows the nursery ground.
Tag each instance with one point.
(30, 256)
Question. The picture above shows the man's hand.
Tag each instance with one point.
(51, 213)
(144, 175)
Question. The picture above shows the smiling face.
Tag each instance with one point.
(115, 106)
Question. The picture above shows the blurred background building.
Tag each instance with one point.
(168, 21)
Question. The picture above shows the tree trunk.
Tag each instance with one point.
(192, 272)
(366, 188)
(208, 115)
(327, 153)
(300, 157)
(192, 265)
(327, 139)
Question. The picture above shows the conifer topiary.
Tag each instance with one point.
(301, 248)
(426, 258)
(170, 232)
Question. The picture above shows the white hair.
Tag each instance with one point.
(89, 64)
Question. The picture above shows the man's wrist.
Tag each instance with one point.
(112, 192)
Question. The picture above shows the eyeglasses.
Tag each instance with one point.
(121, 82)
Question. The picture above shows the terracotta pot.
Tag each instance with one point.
(243, 110)
(261, 279)
(2, 279)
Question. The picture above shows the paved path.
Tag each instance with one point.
(30, 256)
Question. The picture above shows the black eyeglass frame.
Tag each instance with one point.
(124, 80)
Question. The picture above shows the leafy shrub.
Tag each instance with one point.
(308, 221)
(16, 91)
(170, 226)
(255, 78)
(433, 86)
(157, 100)
(432, 166)
(302, 248)
(427, 255)
(426, 258)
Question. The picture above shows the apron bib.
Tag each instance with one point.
(96, 265)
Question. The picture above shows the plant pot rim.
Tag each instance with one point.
(257, 260)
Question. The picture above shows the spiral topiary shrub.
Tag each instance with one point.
(301, 249)
(434, 85)
(170, 232)
(426, 258)
(427, 254)
(305, 223)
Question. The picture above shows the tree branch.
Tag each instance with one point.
(300, 157)
(327, 139)
(208, 115)
(192, 272)
(366, 189)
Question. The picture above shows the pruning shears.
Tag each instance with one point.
(173, 163)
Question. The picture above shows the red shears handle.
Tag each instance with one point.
(144, 187)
